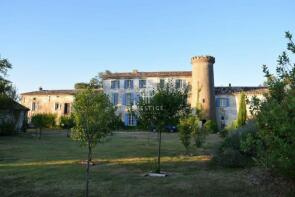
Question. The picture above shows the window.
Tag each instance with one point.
(130, 120)
(33, 106)
(128, 84)
(129, 99)
(178, 83)
(142, 83)
(147, 95)
(115, 98)
(56, 106)
(115, 84)
(222, 102)
(162, 83)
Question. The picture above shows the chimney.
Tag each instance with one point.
(229, 85)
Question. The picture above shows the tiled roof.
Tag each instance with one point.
(53, 92)
(218, 91)
(137, 74)
(9, 104)
(238, 89)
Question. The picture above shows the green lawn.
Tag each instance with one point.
(51, 167)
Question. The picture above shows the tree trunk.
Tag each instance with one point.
(87, 170)
(159, 151)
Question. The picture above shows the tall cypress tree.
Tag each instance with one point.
(242, 114)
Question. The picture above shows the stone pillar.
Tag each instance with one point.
(203, 93)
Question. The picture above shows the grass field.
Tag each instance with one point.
(51, 167)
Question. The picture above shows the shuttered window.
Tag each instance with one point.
(222, 102)
(130, 119)
(128, 84)
(128, 99)
(115, 98)
(115, 84)
(142, 83)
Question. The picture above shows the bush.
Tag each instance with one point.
(237, 136)
(117, 123)
(228, 129)
(211, 126)
(187, 126)
(230, 157)
(66, 122)
(44, 120)
(274, 144)
(232, 153)
(7, 128)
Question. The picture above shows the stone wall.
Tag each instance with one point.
(46, 104)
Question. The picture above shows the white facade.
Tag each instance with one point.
(124, 95)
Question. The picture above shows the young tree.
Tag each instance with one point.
(164, 108)
(93, 114)
(275, 138)
(188, 127)
(242, 114)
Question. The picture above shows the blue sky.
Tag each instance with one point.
(56, 43)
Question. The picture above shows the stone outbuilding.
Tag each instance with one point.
(13, 113)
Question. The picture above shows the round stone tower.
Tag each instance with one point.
(203, 94)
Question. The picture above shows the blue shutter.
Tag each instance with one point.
(124, 99)
(227, 102)
(126, 118)
(217, 102)
(131, 84)
(125, 84)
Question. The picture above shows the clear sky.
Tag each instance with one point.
(56, 43)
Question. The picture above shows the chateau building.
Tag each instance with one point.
(220, 104)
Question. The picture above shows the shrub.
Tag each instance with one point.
(7, 128)
(43, 121)
(67, 122)
(211, 126)
(274, 144)
(117, 123)
(187, 126)
(231, 153)
(230, 157)
(228, 129)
